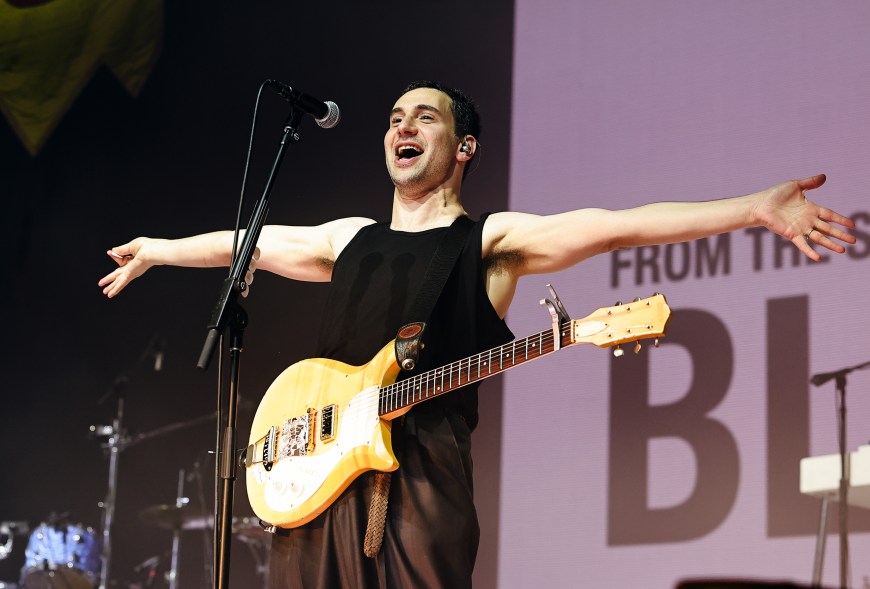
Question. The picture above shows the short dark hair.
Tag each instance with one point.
(465, 117)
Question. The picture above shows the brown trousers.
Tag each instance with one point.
(431, 533)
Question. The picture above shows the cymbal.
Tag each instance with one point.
(173, 517)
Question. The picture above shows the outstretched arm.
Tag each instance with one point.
(300, 253)
(538, 244)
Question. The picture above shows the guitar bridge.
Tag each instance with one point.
(294, 439)
(269, 448)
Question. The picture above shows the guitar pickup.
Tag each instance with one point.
(327, 423)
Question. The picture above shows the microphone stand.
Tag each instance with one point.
(228, 313)
(840, 378)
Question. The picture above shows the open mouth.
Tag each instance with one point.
(407, 152)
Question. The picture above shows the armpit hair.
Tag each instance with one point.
(503, 261)
(325, 264)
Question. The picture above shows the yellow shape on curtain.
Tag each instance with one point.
(50, 49)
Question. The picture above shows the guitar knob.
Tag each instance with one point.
(617, 352)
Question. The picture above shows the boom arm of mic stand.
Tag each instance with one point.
(235, 282)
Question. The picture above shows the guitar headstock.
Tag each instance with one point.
(622, 323)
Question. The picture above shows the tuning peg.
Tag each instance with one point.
(617, 352)
(618, 303)
(635, 299)
(637, 347)
(656, 342)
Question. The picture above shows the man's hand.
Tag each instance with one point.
(132, 263)
(785, 210)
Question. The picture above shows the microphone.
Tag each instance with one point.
(823, 377)
(325, 113)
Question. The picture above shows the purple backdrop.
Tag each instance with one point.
(683, 461)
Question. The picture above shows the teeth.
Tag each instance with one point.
(408, 151)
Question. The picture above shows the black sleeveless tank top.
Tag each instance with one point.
(375, 281)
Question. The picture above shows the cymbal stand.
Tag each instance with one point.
(180, 501)
(115, 437)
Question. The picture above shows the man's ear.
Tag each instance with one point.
(467, 147)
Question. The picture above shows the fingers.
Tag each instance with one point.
(129, 267)
(249, 275)
(824, 241)
(812, 182)
(823, 233)
(114, 282)
(834, 217)
(121, 259)
(249, 278)
(802, 243)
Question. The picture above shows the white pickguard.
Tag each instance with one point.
(295, 479)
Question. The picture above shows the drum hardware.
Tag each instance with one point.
(8, 531)
(116, 440)
(151, 565)
(173, 517)
(249, 531)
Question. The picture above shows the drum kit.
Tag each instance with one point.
(60, 554)
(63, 554)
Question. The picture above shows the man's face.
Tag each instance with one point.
(420, 144)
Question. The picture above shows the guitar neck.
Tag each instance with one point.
(433, 383)
(606, 327)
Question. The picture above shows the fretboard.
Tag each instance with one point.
(433, 383)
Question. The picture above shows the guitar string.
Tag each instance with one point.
(419, 388)
(399, 390)
(400, 394)
(424, 383)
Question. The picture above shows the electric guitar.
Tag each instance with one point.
(322, 423)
